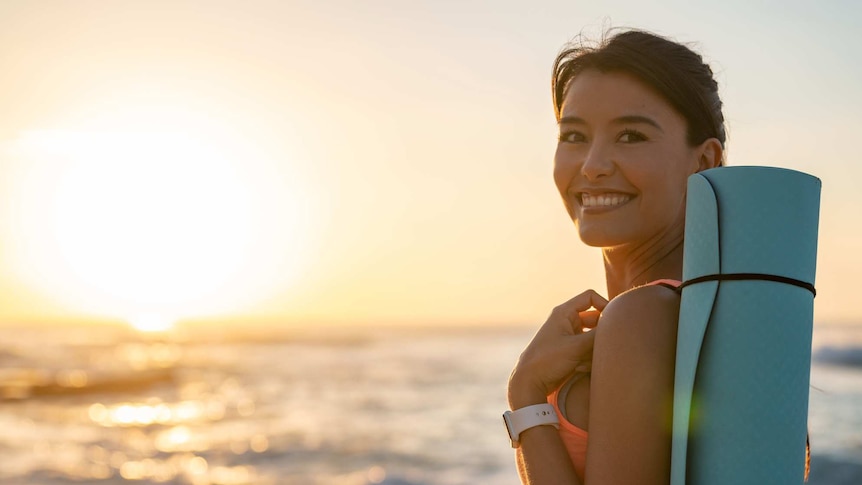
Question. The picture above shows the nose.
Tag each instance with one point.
(597, 163)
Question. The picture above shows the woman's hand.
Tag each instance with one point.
(560, 348)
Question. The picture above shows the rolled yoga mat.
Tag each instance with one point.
(744, 345)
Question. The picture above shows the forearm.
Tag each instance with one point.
(542, 458)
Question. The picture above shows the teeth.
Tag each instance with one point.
(605, 200)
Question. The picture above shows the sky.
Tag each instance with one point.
(362, 162)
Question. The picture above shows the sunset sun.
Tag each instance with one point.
(153, 226)
(150, 322)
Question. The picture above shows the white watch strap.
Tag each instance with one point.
(525, 418)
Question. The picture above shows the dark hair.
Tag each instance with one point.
(673, 70)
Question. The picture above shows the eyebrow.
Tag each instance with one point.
(621, 120)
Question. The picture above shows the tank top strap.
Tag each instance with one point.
(667, 283)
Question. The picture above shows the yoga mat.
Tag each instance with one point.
(744, 346)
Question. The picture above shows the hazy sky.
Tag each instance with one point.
(378, 161)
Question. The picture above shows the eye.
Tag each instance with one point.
(631, 136)
(572, 136)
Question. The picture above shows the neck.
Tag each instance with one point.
(628, 267)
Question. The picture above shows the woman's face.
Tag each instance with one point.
(622, 160)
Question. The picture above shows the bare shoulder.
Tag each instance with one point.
(641, 311)
(638, 328)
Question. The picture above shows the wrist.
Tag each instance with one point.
(522, 393)
(528, 418)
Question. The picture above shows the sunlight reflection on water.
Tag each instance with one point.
(374, 407)
(125, 411)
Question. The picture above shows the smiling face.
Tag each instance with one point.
(622, 160)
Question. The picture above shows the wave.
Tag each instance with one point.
(847, 356)
(826, 470)
(27, 383)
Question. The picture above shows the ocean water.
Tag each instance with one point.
(328, 406)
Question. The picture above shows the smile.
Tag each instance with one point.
(608, 200)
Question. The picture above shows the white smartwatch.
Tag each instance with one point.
(525, 418)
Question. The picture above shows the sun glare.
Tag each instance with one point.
(151, 323)
(140, 222)
(154, 218)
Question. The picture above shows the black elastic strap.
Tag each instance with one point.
(750, 276)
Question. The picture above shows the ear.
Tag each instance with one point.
(709, 154)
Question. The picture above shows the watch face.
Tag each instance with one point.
(513, 440)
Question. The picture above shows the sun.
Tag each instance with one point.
(151, 323)
(155, 221)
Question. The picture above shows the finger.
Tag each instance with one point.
(593, 299)
(585, 301)
(580, 347)
(589, 318)
(580, 303)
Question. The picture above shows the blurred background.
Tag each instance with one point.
(304, 242)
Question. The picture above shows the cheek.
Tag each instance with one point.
(564, 170)
(667, 200)
(663, 172)
(662, 191)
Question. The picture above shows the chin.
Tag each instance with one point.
(602, 238)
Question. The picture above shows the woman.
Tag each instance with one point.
(637, 115)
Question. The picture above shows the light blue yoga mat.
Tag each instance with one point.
(744, 346)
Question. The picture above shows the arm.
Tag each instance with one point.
(559, 348)
(545, 459)
(542, 458)
(631, 392)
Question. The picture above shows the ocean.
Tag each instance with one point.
(326, 405)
